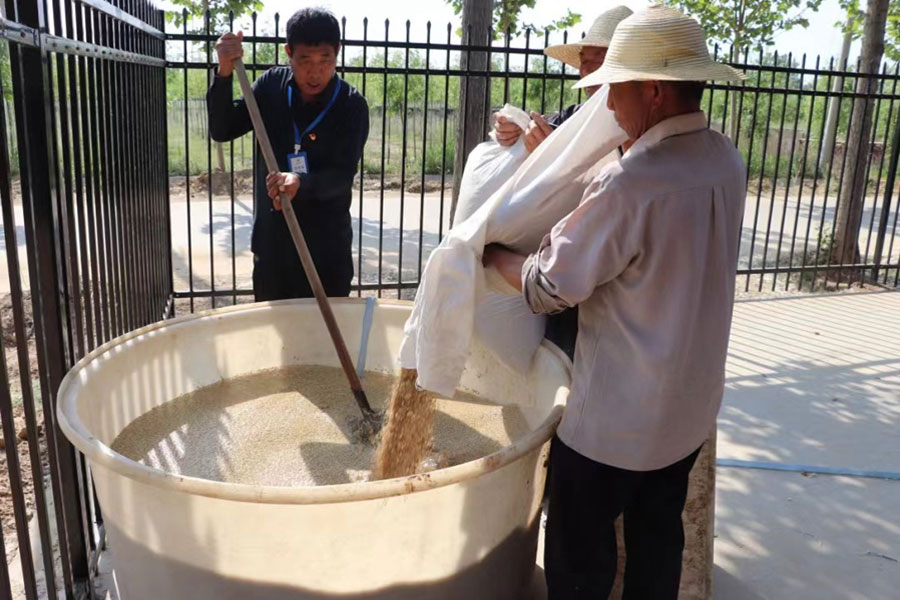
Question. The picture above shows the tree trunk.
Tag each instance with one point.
(220, 157)
(217, 178)
(832, 119)
(737, 45)
(737, 49)
(220, 179)
(733, 116)
(476, 26)
(846, 236)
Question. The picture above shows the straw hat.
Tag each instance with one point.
(599, 35)
(659, 43)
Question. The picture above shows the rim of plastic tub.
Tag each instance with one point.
(101, 454)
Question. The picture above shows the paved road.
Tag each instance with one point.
(211, 248)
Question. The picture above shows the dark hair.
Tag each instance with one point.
(689, 92)
(313, 26)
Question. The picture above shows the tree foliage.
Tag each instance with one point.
(220, 11)
(857, 17)
(506, 18)
(746, 23)
(5, 71)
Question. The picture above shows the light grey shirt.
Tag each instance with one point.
(649, 256)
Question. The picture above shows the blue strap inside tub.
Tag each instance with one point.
(364, 339)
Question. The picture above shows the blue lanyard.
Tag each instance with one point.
(298, 137)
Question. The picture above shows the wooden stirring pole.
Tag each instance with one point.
(312, 275)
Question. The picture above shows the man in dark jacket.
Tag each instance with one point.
(318, 125)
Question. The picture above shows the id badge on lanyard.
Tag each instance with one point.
(298, 162)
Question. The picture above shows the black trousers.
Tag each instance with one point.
(278, 273)
(586, 498)
(562, 330)
(282, 277)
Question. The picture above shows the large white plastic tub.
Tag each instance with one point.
(467, 532)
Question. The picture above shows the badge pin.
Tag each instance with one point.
(312, 137)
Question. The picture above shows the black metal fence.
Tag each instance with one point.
(795, 155)
(85, 217)
(117, 209)
(797, 166)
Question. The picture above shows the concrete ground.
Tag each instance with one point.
(811, 381)
(814, 381)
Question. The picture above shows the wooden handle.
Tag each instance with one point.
(309, 267)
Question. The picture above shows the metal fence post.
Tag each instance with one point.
(888, 197)
(32, 74)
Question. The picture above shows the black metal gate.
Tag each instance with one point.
(87, 229)
(85, 201)
(412, 79)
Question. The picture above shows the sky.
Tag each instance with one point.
(821, 37)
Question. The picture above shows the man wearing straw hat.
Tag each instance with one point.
(587, 56)
(649, 256)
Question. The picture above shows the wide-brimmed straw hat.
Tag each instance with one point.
(599, 35)
(659, 44)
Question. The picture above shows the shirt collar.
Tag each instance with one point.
(677, 125)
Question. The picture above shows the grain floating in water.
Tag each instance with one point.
(292, 427)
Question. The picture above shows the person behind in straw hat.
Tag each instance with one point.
(587, 56)
(649, 256)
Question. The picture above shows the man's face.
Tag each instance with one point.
(592, 59)
(634, 103)
(313, 67)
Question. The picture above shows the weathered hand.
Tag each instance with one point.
(537, 131)
(229, 49)
(282, 183)
(506, 262)
(507, 132)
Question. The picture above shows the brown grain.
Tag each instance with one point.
(292, 427)
(408, 431)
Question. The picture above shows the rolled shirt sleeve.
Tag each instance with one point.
(591, 246)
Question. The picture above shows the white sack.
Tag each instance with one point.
(453, 298)
(503, 323)
(490, 165)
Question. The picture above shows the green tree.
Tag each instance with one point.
(219, 12)
(856, 18)
(391, 93)
(506, 17)
(743, 24)
(415, 86)
(5, 71)
(6, 101)
(845, 249)
(543, 95)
